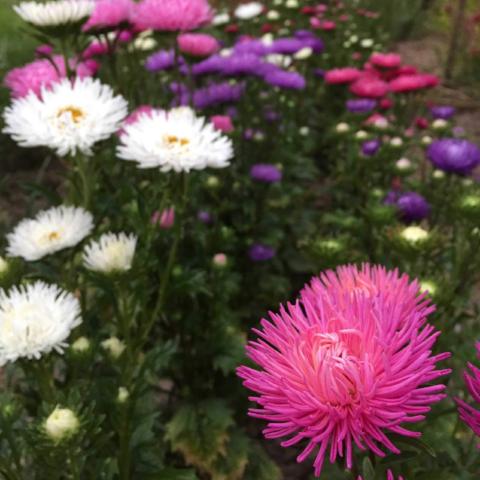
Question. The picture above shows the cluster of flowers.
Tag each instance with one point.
(349, 362)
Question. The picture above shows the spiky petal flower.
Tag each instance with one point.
(346, 364)
(469, 414)
(111, 253)
(67, 118)
(171, 15)
(50, 231)
(55, 13)
(175, 140)
(109, 14)
(34, 320)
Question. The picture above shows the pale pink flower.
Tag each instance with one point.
(346, 364)
(171, 15)
(223, 123)
(43, 73)
(109, 13)
(198, 44)
(133, 117)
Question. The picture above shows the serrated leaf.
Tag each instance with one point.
(200, 431)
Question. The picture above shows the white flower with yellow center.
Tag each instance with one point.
(111, 253)
(50, 231)
(55, 13)
(67, 118)
(34, 320)
(175, 140)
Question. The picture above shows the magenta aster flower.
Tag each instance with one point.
(347, 364)
(42, 73)
(171, 15)
(469, 414)
(109, 13)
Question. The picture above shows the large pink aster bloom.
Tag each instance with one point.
(469, 414)
(42, 73)
(109, 13)
(347, 364)
(171, 15)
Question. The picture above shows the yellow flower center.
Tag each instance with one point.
(76, 114)
(173, 140)
(53, 236)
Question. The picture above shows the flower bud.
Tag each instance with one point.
(122, 395)
(342, 127)
(114, 347)
(213, 181)
(61, 424)
(80, 345)
(220, 260)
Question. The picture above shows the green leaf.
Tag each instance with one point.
(416, 443)
(200, 431)
(368, 469)
(172, 474)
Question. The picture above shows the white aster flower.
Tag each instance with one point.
(403, 164)
(55, 13)
(67, 117)
(366, 43)
(175, 140)
(34, 320)
(273, 15)
(303, 53)
(414, 234)
(292, 4)
(111, 253)
(342, 127)
(247, 11)
(50, 231)
(221, 19)
(439, 124)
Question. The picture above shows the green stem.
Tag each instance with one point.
(164, 282)
(73, 462)
(124, 458)
(82, 169)
(45, 380)
(17, 458)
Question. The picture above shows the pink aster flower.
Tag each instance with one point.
(369, 87)
(109, 13)
(198, 44)
(411, 83)
(346, 364)
(42, 73)
(469, 414)
(171, 15)
(223, 123)
(386, 60)
(342, 75)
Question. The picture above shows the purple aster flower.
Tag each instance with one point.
(287, 46)
(213, 64)
(371, 147)
(361, 105)
(162, 60)
(257, 47)
(216, 94)
(391, 198)
(319, 72)
(454, 155)
(445, 112)
(412, 207)
(266, 173)
(245, 64)
(283, 79)
(259, 252)
(204, 217)
(271, 115)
